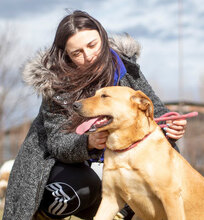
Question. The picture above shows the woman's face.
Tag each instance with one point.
(84, 47)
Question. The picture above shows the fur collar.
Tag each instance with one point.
(41, 78)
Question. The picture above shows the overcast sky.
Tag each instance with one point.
(153, 23)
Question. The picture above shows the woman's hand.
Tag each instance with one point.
(175, 129)
(97, 140)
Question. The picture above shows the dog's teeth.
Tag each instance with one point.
(102, 120)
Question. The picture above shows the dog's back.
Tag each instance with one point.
(4, 176)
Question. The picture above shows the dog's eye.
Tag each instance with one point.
(104, 96)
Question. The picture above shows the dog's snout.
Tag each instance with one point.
(77, 106)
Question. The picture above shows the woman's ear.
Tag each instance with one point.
(143, 103)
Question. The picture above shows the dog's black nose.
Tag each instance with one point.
(77, 106)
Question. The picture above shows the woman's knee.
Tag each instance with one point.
(74, 188)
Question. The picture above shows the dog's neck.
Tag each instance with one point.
(134, 144)
(125, 137)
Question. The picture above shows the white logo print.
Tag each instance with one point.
(61, 199)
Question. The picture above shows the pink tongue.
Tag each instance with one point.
(85, 126)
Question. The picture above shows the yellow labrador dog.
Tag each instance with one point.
(140, 166)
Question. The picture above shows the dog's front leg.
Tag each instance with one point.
(174, 207)
(108, 208)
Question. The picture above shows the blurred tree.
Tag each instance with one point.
(13, 95)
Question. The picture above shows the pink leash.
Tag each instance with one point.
(174, 116)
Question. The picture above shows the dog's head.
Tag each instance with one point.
(112, 108)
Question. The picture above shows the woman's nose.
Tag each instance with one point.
(88, 55)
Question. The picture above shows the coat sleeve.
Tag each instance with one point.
(63, 146)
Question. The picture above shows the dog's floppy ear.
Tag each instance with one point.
(144, 103)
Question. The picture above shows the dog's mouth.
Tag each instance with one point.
(93, 124)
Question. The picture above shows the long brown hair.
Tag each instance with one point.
(75, 82)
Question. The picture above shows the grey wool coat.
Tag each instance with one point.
(45, 142)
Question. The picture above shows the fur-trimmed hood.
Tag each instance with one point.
(35, 74)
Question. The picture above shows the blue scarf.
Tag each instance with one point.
(120, 67)
(122, 71)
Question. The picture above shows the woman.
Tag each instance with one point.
(51, 174)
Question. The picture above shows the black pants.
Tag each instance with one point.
(72, 189)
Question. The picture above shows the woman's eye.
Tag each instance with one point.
(92, 45)
(76, 54)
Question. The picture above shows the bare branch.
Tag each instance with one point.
(11, 87)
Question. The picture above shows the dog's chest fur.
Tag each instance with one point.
(125, 174)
